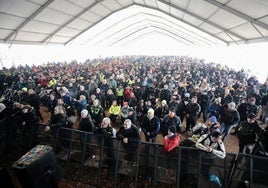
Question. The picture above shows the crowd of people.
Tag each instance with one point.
(120, 97)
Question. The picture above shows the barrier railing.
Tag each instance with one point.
(150, 163)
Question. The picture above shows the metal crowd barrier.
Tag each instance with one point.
(93, 155)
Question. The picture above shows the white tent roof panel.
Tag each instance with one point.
(9, 21)
(69, 8)
(22, 8)
(52, 16)
(29, 36)
(233, 21)
(254, 9)
(91, 17)
(82, 3)
(42, 27)
(111, 4)
(80, 24)
(151, 3)
(229, 20)
(68, 32)
(243, 31)
(202, 8)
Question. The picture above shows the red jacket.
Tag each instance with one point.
(171, 142)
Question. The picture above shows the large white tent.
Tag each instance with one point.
(86, 28)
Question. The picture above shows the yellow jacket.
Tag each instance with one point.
(114, 110)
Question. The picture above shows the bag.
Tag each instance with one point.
(72, 119)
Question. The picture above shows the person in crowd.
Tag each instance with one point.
(239, 94)
(132, 100)
(34, 101)
(192, 111)
(69, 111)
(214, 108)
(124, 111)
(182, 105)
(171, 119)
(51, 103)
(209, 126)
(242, 109)
(248, 133)
(23, 95)
(211, 146)
(80, 104)
(85, 124)
(229, 119)
(171, 140)
(150, 125)
(110, 98)
(204, 101)
(132, 115)
(162, 110)
(101, 97)
(107, 132)
(120, 94)
(227, 97)
(130, 138)
(64, 93)
(96, 111)
(165, 93)
(82, 91)
(114, 111)
(57, 120)
(29, 122)
(141, 110)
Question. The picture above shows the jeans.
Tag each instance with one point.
(225, 130)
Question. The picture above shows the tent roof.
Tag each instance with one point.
(113, 22)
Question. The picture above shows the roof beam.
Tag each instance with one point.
(143, 35)
(203, 19)
(188, 23)
(29, 19)
(237, 13)
(95, 24)
(171, 26)
(150, 24)
(72, 19)
(156, 28)
(164, 20)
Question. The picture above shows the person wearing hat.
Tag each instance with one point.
(129, 135)
(171, 119)
(150, 126)
(248, 133)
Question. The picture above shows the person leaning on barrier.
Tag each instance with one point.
(150, 126)
(86, 124)
(211, 146)
(29, 124)
(172, 140)
(130, 137)
(107, 132)
(248, 133)
(57, 120)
